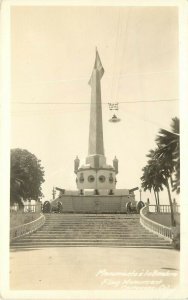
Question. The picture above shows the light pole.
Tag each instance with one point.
(53, 193)
(140, 194)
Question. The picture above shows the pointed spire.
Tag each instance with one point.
(96, 130)
(97, 67)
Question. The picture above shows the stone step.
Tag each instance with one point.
(102, 231)
(112, 223)
(136, 222)
(59, 217)
(131, 230)
(91, 225)
(90, 240)
(78, 228)
(91, 220)
(19, 247)
(91, 230)
(94, 215)
(90, 244)
(120, 221)
(134, 235)
(91, 236)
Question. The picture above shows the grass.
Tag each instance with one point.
(20, 218)
(163, 218)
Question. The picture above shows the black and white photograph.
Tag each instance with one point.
(94, 197)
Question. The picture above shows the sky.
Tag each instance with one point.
(52, 56)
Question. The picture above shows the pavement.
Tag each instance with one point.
(92, 268)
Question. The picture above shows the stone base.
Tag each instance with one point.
(94, 204)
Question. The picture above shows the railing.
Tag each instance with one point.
(27, 208)
(154, 227)
(164, 208)
(27, 228)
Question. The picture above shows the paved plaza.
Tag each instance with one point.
(90, 268)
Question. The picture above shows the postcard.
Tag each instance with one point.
(92, 98)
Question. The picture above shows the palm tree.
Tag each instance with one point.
(169, 150)
(156, 175)
(152, 178)
(166, 171)
(164, 162)
(146, 180)
(158, 180)
(168, 157)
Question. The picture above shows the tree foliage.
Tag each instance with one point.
(27, 176)
(169, 151)
(164, 164)
(152, 178)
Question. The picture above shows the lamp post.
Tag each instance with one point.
(53, 193)
(140, 194)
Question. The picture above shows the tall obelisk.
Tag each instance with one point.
(96, 174)
(95, 179)
(96, 146)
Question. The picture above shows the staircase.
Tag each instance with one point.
(91, 230)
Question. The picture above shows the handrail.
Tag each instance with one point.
(31, 208)
(154, 227)
(27, 228)
(164, 208)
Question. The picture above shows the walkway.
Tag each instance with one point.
(91, 268)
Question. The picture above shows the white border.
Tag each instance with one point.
(183, 80)
(182, 293)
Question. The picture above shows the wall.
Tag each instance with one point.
(94, 204)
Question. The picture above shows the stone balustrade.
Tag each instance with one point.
(27, 228)
(164, 208)
(27, 208)
(155, 227)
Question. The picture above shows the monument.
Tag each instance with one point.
(96, 180)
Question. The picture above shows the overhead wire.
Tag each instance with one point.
(83, 78)
(123, 52)
(88, 103)
(115, 55)
(114, 87)
(142, 118)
